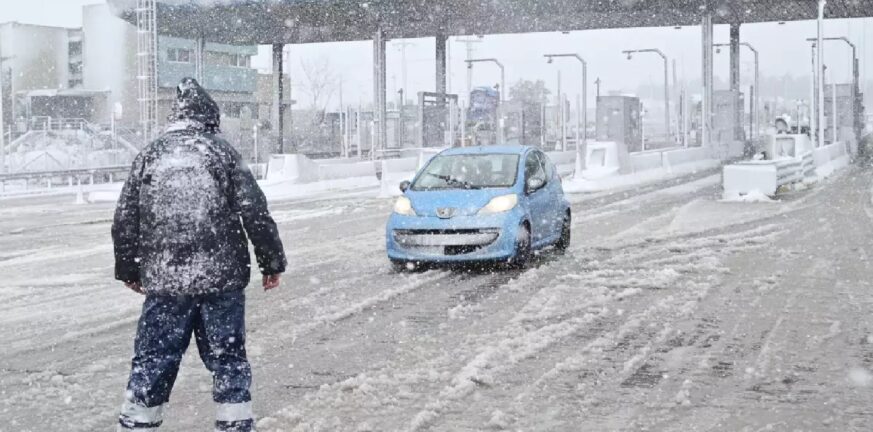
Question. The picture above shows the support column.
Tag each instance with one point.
(199, 59)
(380, 110)
(278, 113)
(582, 147)
(3, 124)
(706, 111)
(736, 107)
(820, 122)
(441, 63)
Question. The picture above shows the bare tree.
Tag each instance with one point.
(319, 83)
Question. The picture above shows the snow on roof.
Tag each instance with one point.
(64, 92)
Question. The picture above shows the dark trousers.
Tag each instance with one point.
(164, 331)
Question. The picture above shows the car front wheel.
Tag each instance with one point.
(398, 266)
(522, 248)
(564, 241)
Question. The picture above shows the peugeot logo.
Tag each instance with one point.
(445, 212)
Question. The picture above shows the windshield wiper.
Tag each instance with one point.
(451, 181)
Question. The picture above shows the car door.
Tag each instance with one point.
(538, 199)
(555, 195)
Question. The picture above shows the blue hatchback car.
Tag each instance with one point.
(496, 203)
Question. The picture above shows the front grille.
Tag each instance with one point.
(445, 231)
(448, 242)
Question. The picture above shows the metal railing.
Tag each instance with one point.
(48, 124)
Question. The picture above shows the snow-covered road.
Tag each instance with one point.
(672, 312)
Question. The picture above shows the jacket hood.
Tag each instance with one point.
(193, 104)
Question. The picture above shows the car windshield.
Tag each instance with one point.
(468, 172)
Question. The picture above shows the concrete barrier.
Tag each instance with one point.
(830, 158)
(565, 161)
(395, 171)
(682, 156)
(782, 145)
(644, 161)
(291, 168)
(335, 171)
(300, 169)
(602, 155)
(743, 179)
(767, 176)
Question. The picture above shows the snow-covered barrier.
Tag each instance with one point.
(609, 166)
(672, 158)
(300, 169)
(395, 171)
(291, 168)
(780, 146)
(601, 159)
(830, 158)
(644, 161)
(565, 161)
(766, 176)
(338, 170)
(666, 159)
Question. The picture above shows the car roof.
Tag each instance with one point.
(517, 149)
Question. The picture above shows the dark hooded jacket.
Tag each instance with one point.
(182, 219)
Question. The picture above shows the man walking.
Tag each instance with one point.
(180, 238)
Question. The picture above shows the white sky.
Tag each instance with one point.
(783, 51)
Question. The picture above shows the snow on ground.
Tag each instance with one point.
(595, 182)
(751, 197)
(672, 311)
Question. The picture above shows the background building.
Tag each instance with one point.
(53, 75)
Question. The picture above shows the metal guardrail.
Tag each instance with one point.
(794, 170)
(35, 175)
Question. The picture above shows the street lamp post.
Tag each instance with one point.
(855, 74)
(502, 90)
(580, 154)
(502, 72)
(3, 119)
(666, 85)
(754, 102)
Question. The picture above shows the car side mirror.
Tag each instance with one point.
(534, 184)
(404, 185)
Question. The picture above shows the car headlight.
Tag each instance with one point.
(503, 203)
(403, 206)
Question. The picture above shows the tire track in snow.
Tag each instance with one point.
(678, 304)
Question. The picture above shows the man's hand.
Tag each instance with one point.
(135, 287)
(272, 281)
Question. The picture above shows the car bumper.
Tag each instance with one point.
(459, 239)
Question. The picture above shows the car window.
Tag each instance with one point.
(548, 165)
(468, 172)
(533, 167)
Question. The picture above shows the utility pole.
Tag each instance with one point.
(401, 45)
(597, 83)
(2, 122)
(449, 66)
(469, 42)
